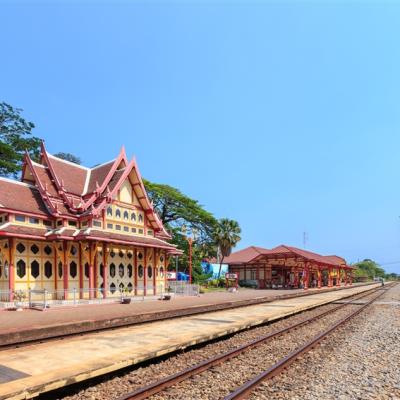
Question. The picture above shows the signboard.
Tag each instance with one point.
(231, 275)
(171, 276)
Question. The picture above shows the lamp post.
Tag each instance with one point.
(190, 240)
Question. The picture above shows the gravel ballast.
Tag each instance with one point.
(359, 361)
(213, 384)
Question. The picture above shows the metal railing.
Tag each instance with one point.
(44, 298)
(182, 288)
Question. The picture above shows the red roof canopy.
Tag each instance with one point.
(255, 254)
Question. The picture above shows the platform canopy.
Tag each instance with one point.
(256, 255)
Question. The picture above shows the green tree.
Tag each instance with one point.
(227, 236)
(176, 210)
(368, 268)
(69, 157)
(15, 139)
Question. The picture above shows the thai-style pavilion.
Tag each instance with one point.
(288, 267)
(67, 228)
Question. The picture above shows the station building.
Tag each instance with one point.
(71, 229)
(288, 267)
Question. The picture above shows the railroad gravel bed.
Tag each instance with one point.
(139, 377)
(113, 388)
(359, 361)
(233, 373)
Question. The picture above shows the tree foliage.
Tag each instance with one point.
(368, 268)
(69, 157)
(15, 139)
(176, 209)
(227, 236)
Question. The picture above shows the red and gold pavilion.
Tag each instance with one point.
(92, 231)
(288, 267)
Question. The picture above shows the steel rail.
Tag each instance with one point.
(171, 380)
(245, 390)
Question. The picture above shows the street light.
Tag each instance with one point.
(190, 239)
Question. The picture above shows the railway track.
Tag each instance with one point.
(242, 391)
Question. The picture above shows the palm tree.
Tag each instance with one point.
(227, 236)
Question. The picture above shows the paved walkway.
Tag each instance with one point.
(28, 371)
(11, 321)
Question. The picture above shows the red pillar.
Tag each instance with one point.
(81, 272)
(145, 272)
(96, 274)
(305, 277)
(345, 277)
(65, 270)
(296, 278)
(155, 256)
(135, 267)
(329, 277)
(91, 272)
(338, 277)
(104, 270)
(319, 277)
(11, 271)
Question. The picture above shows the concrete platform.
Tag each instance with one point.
(17, 327)
(28, 371)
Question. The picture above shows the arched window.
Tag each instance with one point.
(140, 218)
(133, 216)
(48, 269)
(118, 213)
(149, 271)
(73, 269)
(113, 288)
(112, 270)
(21, 268)
(60, 269)
(121, 270)
(87, 270)
(109, 211)
(140, 271)
(126, 215)
(35, 269)
(130, 269)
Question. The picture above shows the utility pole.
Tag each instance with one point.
(305, 239)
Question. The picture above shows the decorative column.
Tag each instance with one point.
(155, 262)
(319, 272)
(345, 277)
(145, 272)
(105, 260)
(11, 271)
(65, 269)
(305, 276)
(338, 277)
(82, 247)
(135, 272)
(92, 254)
(329, 277)
(296, 278)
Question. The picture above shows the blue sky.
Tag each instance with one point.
(284, 116)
